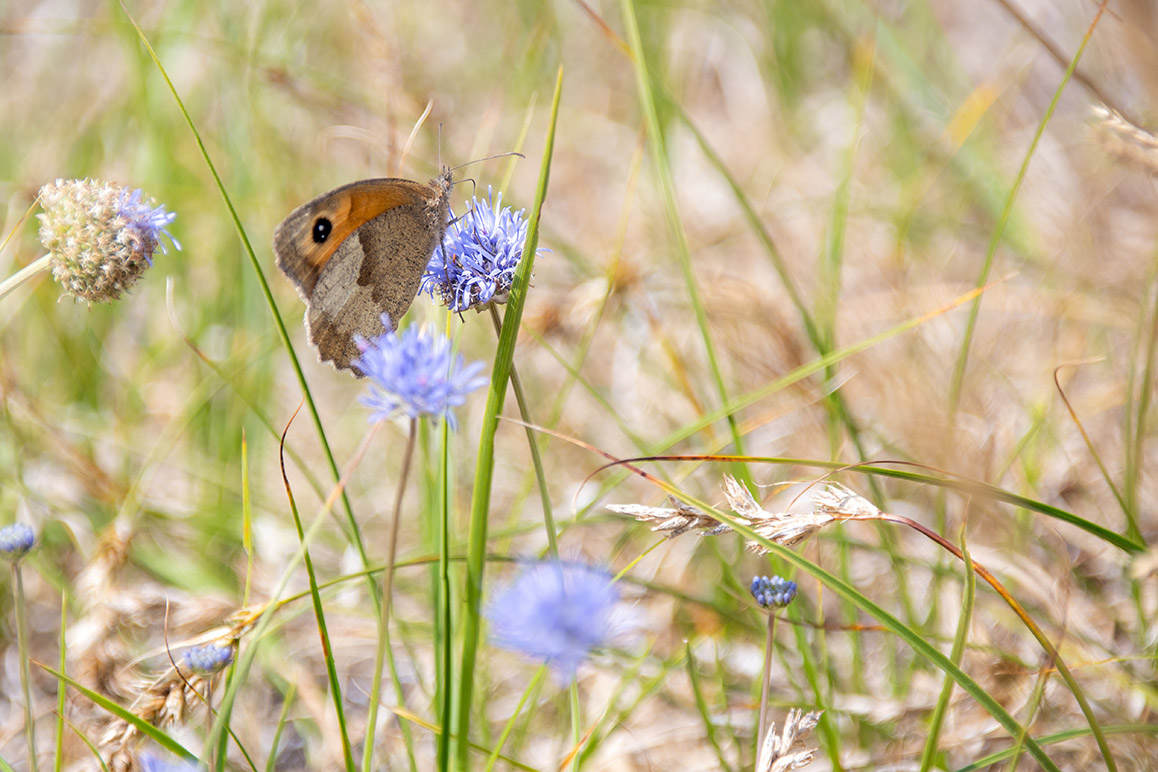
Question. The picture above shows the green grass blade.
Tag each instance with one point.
(999, 232)
(702, 707)
(63, 665)
(267, 294)
(484, 469)
(142, 726)
(987, 762)
(648, 99)
(968, 597)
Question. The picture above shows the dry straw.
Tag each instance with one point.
(1124, 140)
(787, 529)
(103, 641)
(776, 751)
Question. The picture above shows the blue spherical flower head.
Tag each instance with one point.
(148, 762)
(16, 541)
(775, 591)
(415, 373)
(208, 659)
(100, 236)
(476, 262)
(556, 613)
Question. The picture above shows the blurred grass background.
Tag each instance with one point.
(877, 144)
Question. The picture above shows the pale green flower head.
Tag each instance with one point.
(101, 236)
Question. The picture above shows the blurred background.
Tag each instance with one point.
(870, 148)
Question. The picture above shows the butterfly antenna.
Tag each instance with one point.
(488, 158)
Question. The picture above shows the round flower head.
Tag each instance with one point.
(555, 612)
(415, 373)
(147, 762)
(16, 541)
(101, 236)
(208, 659)
(776, 591)
(476, 262)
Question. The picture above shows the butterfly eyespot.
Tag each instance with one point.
(322, 229)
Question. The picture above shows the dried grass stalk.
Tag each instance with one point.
(786, 529)
(776, 751)
(1124, 140)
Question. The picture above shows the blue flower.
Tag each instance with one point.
(100, 236)
(147, 762)
(555, 612)
(476, 261)
(776, 591)
(208, 659)
(146, 224)
(16, 541)
(415, 373)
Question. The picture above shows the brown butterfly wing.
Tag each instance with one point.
(382, 234)
(376, 270)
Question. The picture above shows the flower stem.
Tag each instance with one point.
(447, 675)
(387, 587)
(576, 725)
(536, 460)
(37, 266)
(766, 685)
(22, 648)
(518, 711)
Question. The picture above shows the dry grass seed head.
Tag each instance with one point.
(672, 521)
(1124, 140)
(786, 529)
(775, 755)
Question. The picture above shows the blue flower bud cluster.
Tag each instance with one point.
(774, 591)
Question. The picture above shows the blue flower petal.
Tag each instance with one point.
(556, 613)
(415, 373)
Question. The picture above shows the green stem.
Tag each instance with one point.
(506, 733)
(446, 681)
(533, 444)
(484, 467)
(30, 271)
(267, 295)
(22, 649)
(576, 725)
(683, 249)
(766, 685)
(387, 589)
(957, 382)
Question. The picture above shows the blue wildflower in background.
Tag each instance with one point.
(556, 613)
(100, 236)
(16, 541)
(776, 591)
(148, 762)
(208, 659)
(415, 373)
(476, 262)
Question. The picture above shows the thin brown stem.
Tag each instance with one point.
(387, 591)
(766, 686)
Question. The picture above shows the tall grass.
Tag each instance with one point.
(788, 242)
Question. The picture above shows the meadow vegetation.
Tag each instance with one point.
(858, 295)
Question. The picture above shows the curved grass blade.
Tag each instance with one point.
(647, 100)
(893, 625)
(267, 294)
(999, 229)
(142, 726)
(960, 640)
